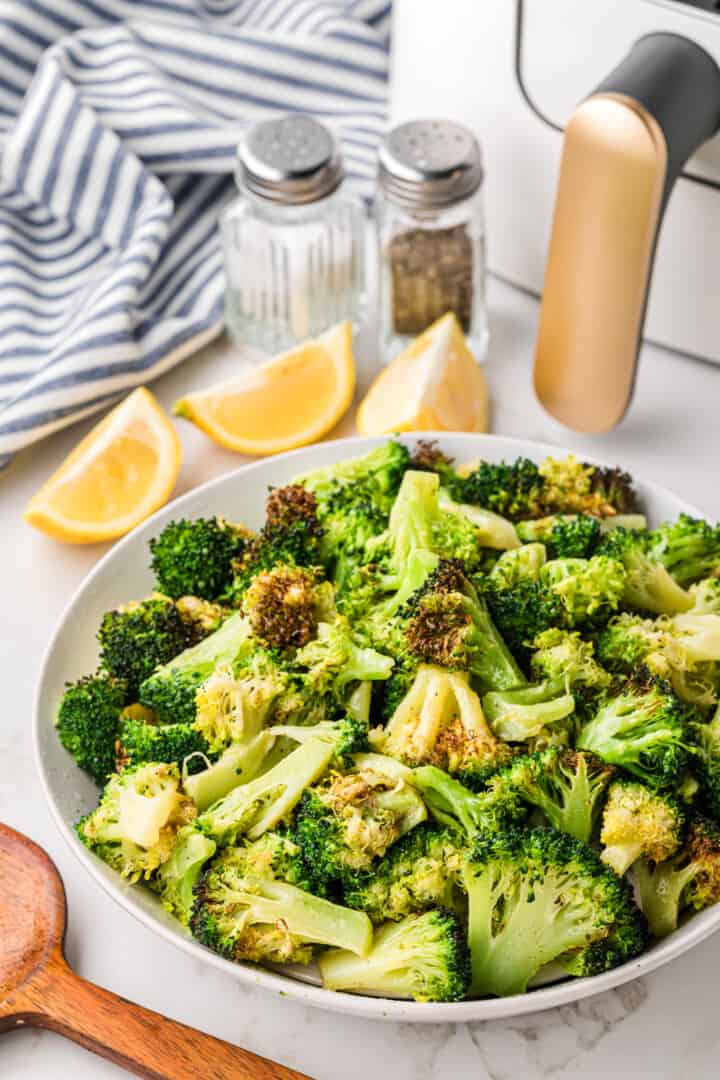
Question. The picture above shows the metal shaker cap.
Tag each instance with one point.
(291, 159)
(429, 164)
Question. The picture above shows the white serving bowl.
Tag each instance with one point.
(123, 574)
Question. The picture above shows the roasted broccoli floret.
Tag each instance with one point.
(176, 879)
(417, 520)
(352, 818)
(382, 467)
(531, 712)
(351, 518)
(419, 534)
(539, 896)
(170, 691)
(615, 487)
(689, 548)
(140, 741)
(233, 708)
(514, 490)
(427, 454)
(354, 501)
(643, 729)
(194, 558)
(419, 872)
(252, 904)
(574, 487)
(522, 612)
(286, 604)
(565, 536)
(562, 656)
(265, 802)
(201, 617)
(589, 590)
(336, 661)
(522, 489)
(231, 713)
(291, 536)
(467, 813)
(424, 957)
(440, 722)
(88, 721)
(400, 560)
(141, 811)
(648, 584)
(520, 564)
(689, 880)
(384, 590)
(639, 822)
(565, 593)
(684, 649)
(139, 637)
(569, 787)
(451, 626)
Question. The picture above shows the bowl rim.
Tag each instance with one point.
(686, 937)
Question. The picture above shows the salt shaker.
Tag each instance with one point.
(431, 232)
(293, 241)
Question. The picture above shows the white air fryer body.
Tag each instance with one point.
(514, 70)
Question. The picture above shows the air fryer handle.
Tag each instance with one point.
(625, 146)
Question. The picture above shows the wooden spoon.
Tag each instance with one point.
(38, 989)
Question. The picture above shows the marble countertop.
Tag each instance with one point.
(662, 1027)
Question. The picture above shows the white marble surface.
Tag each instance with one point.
(662, 1027)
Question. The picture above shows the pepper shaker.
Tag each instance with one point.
(431, 232)
(294, 239)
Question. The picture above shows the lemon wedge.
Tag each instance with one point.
(291, 400)
(122, 471)
(434, 385)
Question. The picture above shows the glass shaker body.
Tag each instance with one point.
(292, 271)
(294, 240)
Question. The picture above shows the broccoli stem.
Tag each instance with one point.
(379, 973)
(412, 516)
(492, 662)
(304, 915)
(239, 764)
(661, 891)
(220, 647)
(517, 715)
(650, 587)
(253, 808)
(418, 567)
(177, 877)
(359, 703)
(453, 805)
(575, 804)
(494, 531)
(621, 856)
(636, 522)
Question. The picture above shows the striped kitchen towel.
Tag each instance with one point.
(119, 121)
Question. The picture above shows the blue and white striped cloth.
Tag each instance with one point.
(119, 121)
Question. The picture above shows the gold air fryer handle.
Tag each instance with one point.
(624, 147)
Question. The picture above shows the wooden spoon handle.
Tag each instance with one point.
(140, 1040)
